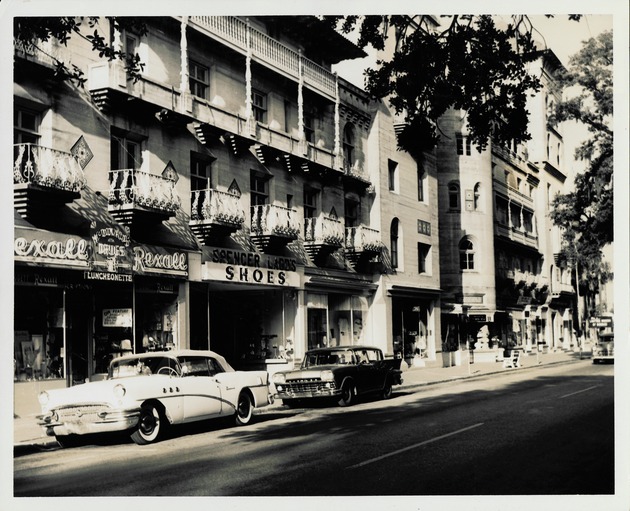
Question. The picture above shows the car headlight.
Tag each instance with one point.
(327, 375)
(278, 378)
(43, 398)
(119, 391)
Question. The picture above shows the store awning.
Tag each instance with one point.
(339, 284)
(413, 292)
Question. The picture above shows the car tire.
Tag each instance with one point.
(348, 394)
(244, 409)
(150, 425)
(387, 390)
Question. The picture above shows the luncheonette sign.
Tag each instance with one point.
(107, 256)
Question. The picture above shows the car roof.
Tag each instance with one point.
(172, 354)
(348, 347)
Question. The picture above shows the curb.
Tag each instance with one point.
(24, 447)
(489, 373)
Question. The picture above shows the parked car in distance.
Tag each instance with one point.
(604, 350)
(342, 373)
(145, 393)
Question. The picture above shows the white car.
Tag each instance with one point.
(144, 393)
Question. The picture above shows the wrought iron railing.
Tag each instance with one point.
(43, 166)
(138, 188)
(270, 220)
(215, 206)
(324, 230)
(363, 239)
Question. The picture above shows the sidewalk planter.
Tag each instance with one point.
(451, 358)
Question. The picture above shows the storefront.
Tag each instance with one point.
(80, 301)
(413, 324)
(251, 302)
(336, 306)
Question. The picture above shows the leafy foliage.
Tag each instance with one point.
(586, 214)
(473, 65)
(32, 31)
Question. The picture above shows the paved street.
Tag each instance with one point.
(546, 432)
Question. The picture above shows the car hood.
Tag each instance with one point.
(103, 391)
(311, 372)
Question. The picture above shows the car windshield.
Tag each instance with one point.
(143, 366)
(332, 357)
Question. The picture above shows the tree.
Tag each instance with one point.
(30, 32)
(472, 64)
(586, 213)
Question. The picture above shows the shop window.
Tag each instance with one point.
(198, 79)
(335, 320)
(453, 196)
(259, 106)
(466, 255)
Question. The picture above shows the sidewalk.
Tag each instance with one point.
(26, 432)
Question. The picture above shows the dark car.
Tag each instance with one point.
(341, 373)
(604, 350)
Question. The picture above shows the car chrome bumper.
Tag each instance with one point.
(118, 420)
(288, 394)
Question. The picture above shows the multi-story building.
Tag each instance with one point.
(499, 248)
(238, 196)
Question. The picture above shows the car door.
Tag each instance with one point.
(367, 375)
(199, 388)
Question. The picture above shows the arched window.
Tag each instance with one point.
(453, 196)
(466, 255)
(348, 145)
(477, 196)
(393, 245)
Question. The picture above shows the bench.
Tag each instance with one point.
(512, 360)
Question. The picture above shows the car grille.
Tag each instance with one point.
(80, 413)
(312, 385)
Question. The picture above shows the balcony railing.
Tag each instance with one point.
(363, 239)
(324, 230)
(356, 170)
(558, 288)
(130, 188)
(215, 206)
(267, 51)
(275, 221)
(46, 167)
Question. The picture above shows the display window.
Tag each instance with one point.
(38, 334)
(335, 320)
